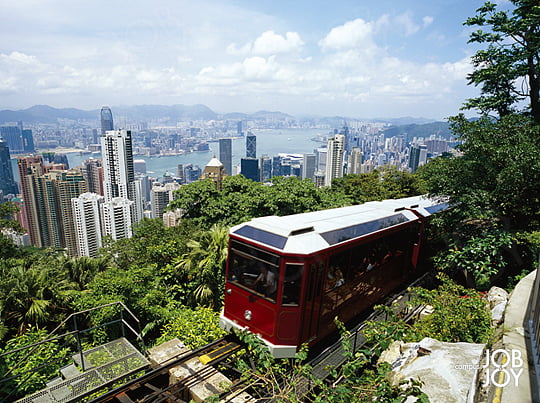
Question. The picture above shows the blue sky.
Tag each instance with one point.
(364, 59)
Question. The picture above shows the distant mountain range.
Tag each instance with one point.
(170, 114)
(409, 131)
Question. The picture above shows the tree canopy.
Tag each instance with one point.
(508, 69)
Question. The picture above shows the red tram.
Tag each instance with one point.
(287, 278)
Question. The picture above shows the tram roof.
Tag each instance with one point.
(307, 233)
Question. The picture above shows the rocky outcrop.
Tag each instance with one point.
(447, 370)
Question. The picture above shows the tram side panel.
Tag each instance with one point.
(355, 277)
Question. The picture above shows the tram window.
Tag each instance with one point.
(338, 269)
(292, 284)
(257, 275)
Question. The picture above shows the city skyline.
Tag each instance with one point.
(318, 58)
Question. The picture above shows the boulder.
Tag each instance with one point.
(497, 298)
(447, 370)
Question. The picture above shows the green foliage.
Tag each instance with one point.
(138, 288)
(384, 183)
(357, 380)
(204, 266)
(194, 327)
(496, 175)
(380, 334)
(460, 314)
(511, 56)
(47, 358)
(32, 292)
(242, 199)
(482, 256)
(7, 214)
(151, 243)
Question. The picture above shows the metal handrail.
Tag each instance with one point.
(75, 332)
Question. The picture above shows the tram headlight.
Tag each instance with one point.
(247, 314)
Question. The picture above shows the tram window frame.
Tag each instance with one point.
(338, 269)
(292, 284)
(246, 279)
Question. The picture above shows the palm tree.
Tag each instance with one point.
(31, 292)
(204, 264)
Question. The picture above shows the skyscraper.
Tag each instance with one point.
(12, 135)
(93, 173)
(118, 173)
(251, 146)
(418, 156)
(29, 167)
(161, 196)
(48, 205)
(225, 154)
(106, 120)
(334, 158)
(28, 141)
(249, 167)
(265, 168)
(7, 182)
(117, 218)
(71, 185)
(355, 161)
(308, 166)
(87, 222)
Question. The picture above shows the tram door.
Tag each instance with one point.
(312, 307)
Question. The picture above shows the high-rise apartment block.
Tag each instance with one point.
(118, 172)
(47, 202)
(87, 221)
(30, 167)
(334, 158)
(93, 173)
(117, 218)
(355, 161)
(160, 197)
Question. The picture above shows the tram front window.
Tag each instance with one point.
(257, 271)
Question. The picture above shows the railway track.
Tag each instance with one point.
(154, 385)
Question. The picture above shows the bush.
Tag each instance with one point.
(195, 328)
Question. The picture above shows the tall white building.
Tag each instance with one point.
(117, 217)
(160, 196)
(334, 158)
(119, 174)
(88, 226)
(355, 161)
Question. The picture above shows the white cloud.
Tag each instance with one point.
(349, 35)
(427, 21)
(182, 49)
(405, 21)
(270, 43)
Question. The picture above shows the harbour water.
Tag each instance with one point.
(270, 142)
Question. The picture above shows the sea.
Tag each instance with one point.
(269, 141)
